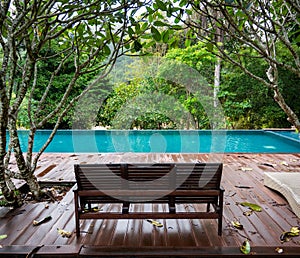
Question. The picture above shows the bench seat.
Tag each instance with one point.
(168, 183)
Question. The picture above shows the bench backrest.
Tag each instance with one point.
(199, 175)
(149, 176)
(91, 176)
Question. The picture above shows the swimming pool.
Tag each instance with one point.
(288, 134)
(164, 141)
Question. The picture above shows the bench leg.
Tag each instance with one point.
(76, 215)
(125, 208)
(208, 207)
(172, 207)
(220, 225)
(221, 200)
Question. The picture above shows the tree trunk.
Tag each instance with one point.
(7, 188)
(292, 117)
(272, 74)
(24, 168)
(217, 78)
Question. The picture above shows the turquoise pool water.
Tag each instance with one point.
(166, 141)
(287, 134)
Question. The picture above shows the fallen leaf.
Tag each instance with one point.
(155, 223)
(245, 248)
(251, 206)
(252, 232)
(237, 225)
(247, 213)
(246, 169)
(3, 236)
(64, 233)
(39, 222)
(269, 165)
(295, 230)
(284, 237)
(243, 186)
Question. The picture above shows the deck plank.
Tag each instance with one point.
(261, 228)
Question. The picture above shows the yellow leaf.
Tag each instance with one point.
(64, 233)
(237, 225)
(155, 223)
(295, 230)
(284, 163)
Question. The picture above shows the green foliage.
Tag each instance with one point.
(162, 89)
(197, 57)
(59, 83)
(143, 104)
(246, 103)
(115, 101)
(244, 33)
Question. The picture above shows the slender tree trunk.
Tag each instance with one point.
(272, 74)
(217, 79)
(6, 186)
(219, 38)
(292, 117)
(24, 168)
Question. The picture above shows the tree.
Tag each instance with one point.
(90, 36)
(264, 27)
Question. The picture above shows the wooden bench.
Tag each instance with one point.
(169, 183)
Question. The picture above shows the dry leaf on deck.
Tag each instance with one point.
(64, 233)
(269, 165)
(251, 206)
(246, 169)
(237, 225)
(286, 236)
(39, 222)
(155, 223)
(245, 248)
(247, 213)
(3, 236)
(295, 230)
(284, 163)
(244, 186)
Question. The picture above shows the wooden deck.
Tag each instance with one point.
(242, 180)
